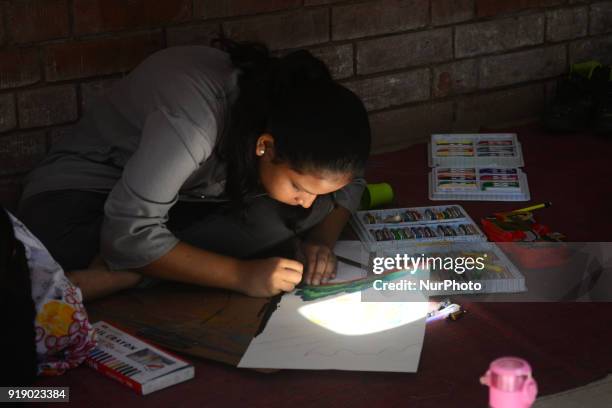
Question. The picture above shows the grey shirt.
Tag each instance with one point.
(150, 143)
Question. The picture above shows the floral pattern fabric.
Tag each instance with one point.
(64, 336)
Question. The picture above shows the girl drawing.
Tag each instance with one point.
(197, 166)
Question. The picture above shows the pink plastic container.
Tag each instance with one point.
(510, 383)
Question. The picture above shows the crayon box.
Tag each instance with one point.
(133, 362)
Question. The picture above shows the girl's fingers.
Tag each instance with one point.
(321, 267)
(330, 268)
(291, 276)
(292, 264)
(285, 286)
(311, 266)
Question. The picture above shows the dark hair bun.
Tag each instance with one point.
(299, 68)
(277, 75)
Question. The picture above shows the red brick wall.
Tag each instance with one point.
(419, 65)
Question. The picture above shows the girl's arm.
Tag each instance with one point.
(260, 277)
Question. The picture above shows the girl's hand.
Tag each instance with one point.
(320, 262)
(270, 276)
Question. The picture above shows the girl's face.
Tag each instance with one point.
(289, 186)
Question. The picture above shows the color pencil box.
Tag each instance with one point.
(475, 150)
(133, 362)
(477, 167)
(478, 184)
(398, 227)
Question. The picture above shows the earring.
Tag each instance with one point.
(262, 151)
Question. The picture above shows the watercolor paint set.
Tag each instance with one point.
(477, 167)
(398, 227)
(497, 275)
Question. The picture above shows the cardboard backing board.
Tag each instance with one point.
(201, 322)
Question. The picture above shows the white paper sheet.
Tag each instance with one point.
(341, 332)
(352, 250)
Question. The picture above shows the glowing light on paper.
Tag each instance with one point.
(348, 315)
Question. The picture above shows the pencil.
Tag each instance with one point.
(526, 209)
(532, 208)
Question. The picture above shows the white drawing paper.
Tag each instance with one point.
(341, 332)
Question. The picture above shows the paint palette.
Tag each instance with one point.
(480, 149)
(408, 226)
(478, 183)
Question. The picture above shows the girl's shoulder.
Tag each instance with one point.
(192, 83)
(206, 65)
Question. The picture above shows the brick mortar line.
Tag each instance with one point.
(355, 77)
(460, 96)
(536, 10)
(452, 60)
(396, 72)
(107, 36)
(8, 35)
(517, 49)
(83, 39)
(426, 28)
(507, 88)
(76, 81)
(478, 20)
(44, 82)
(335, 3)
(70, 11)
(46, 129)
(255, 15)
(430, 72)
(121, 32)
(190, 23)
(478, 70)
(194, 21)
